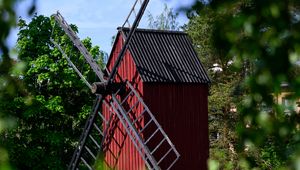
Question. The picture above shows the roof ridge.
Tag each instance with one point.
(126, 29)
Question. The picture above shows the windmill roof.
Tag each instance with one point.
(166, 56)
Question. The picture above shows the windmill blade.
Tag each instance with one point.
(150, 140)
(76, 41)
(71, 64)
(130, 35)
(92, 139)
(161, 155)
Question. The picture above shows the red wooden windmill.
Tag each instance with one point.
(159, 68)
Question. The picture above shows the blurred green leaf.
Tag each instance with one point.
(261, 41)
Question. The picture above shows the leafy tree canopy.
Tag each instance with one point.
(167, 20)
(53, 104)
(224, 92)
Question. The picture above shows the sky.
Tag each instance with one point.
(97, 19)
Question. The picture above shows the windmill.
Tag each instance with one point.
(113, 95)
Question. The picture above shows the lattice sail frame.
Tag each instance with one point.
(88, 150)
(152, 152)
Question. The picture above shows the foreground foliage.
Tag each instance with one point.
(8, 83)
(261, 38)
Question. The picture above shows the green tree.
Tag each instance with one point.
(52, 107)
(265, 34)
(224, 93)
(167, 20)
(200, 29)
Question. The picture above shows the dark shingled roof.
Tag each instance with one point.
(166, 56)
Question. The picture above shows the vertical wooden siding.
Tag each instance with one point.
(120, 153)
(182, 111)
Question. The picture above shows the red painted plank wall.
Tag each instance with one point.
(182, 111)
(120, 153)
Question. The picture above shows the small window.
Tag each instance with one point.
(288, 105)
(286, 102)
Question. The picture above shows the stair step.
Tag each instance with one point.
(86, 164)
(90, 152)
(98, 129)
(160, 143)
(137, 119)
(153, 134)
(91, 137)
(146, 126)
